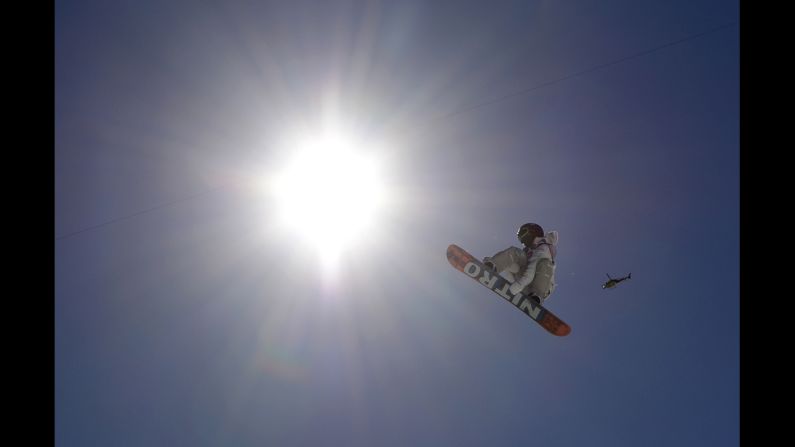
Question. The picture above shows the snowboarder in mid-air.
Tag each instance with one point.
(531, 269)
(612, 282)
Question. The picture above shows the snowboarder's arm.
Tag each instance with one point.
(525, 278)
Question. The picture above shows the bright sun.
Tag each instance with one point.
(329, 192)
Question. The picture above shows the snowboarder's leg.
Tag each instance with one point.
(543, 282)
(507, 274)
(505, 259)
(507, 262)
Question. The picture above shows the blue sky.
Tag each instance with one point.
(202, 323)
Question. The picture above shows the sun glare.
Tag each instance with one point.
(329, 193)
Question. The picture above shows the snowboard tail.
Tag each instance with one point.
(472, 267)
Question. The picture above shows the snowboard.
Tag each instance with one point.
(472, 267)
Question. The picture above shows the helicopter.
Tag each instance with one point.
(612, 282)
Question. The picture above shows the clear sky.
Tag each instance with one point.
(204, 323)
